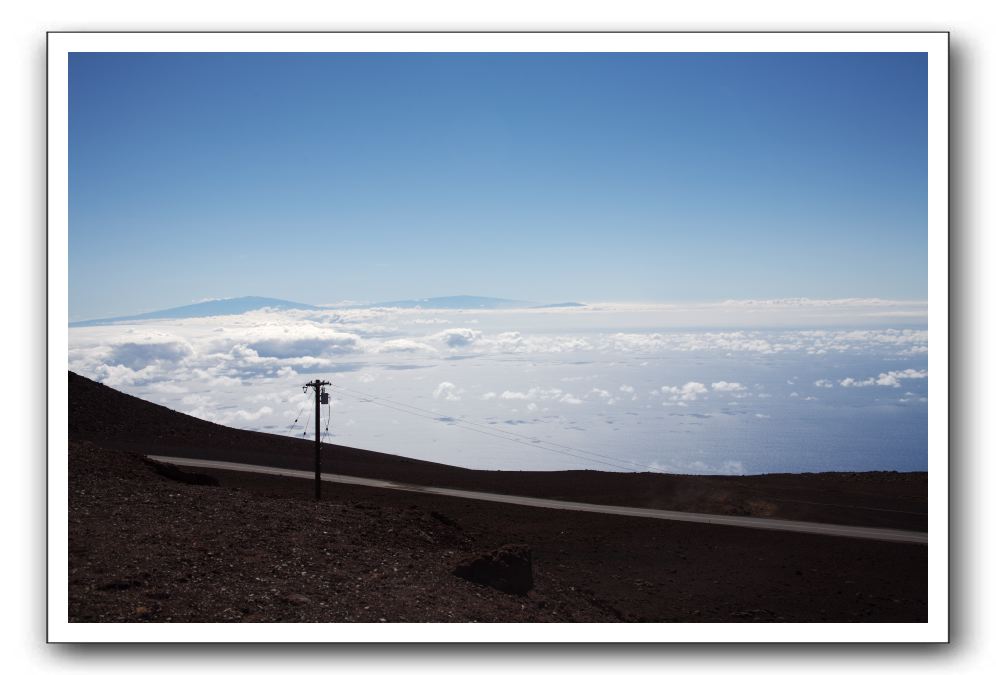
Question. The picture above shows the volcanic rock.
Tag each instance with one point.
(508, 569)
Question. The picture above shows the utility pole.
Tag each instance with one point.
(320, 397)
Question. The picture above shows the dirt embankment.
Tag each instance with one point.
(148, 545)
(145, 546)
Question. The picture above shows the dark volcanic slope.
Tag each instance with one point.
(144, 547)
(112, 419)
(147, 545)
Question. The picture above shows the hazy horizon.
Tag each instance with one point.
(538, 303)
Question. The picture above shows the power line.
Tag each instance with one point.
(490, 428)
(487, 430)
(294, 423)
(305, 434)
(480, 431)
(328, 420)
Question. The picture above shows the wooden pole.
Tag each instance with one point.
(317, 385)
(318, 440)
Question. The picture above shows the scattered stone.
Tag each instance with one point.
(445, 520)
(179, 475)
(118, 585)
(297, 599)
(508, 569)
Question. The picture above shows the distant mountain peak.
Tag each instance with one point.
(455, 302)
(223, 307)
(558, 305)
(250, 303)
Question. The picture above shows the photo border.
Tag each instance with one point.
(934, 43)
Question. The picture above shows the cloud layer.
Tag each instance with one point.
(586, 376)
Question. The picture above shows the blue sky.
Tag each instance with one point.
(547, 177)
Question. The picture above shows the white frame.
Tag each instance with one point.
(935, 44)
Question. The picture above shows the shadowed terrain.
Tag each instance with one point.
(155, 543)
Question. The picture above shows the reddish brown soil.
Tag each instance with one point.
(145, 546)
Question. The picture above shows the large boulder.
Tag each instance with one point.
(508, 569)
(179, 475)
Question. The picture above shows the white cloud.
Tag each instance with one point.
(197, 400)
(690, 391)
(815, 342)
(534, 394)
(808, 302)
(248, 416)
(166, 388)
(824, 384)
(232, 368)
(892, 378)
(725, 386)
(230, 417)
(458, 337)
(138, 355)
(602, 394)
(328, 343)
(447, 391)
(514, 395)
(404, 345)
(732, 467)
(123, 377)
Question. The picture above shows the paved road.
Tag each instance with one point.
(877, 533)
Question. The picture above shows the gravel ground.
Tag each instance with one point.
(147, 547)
(151, 543)
(143, 547)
